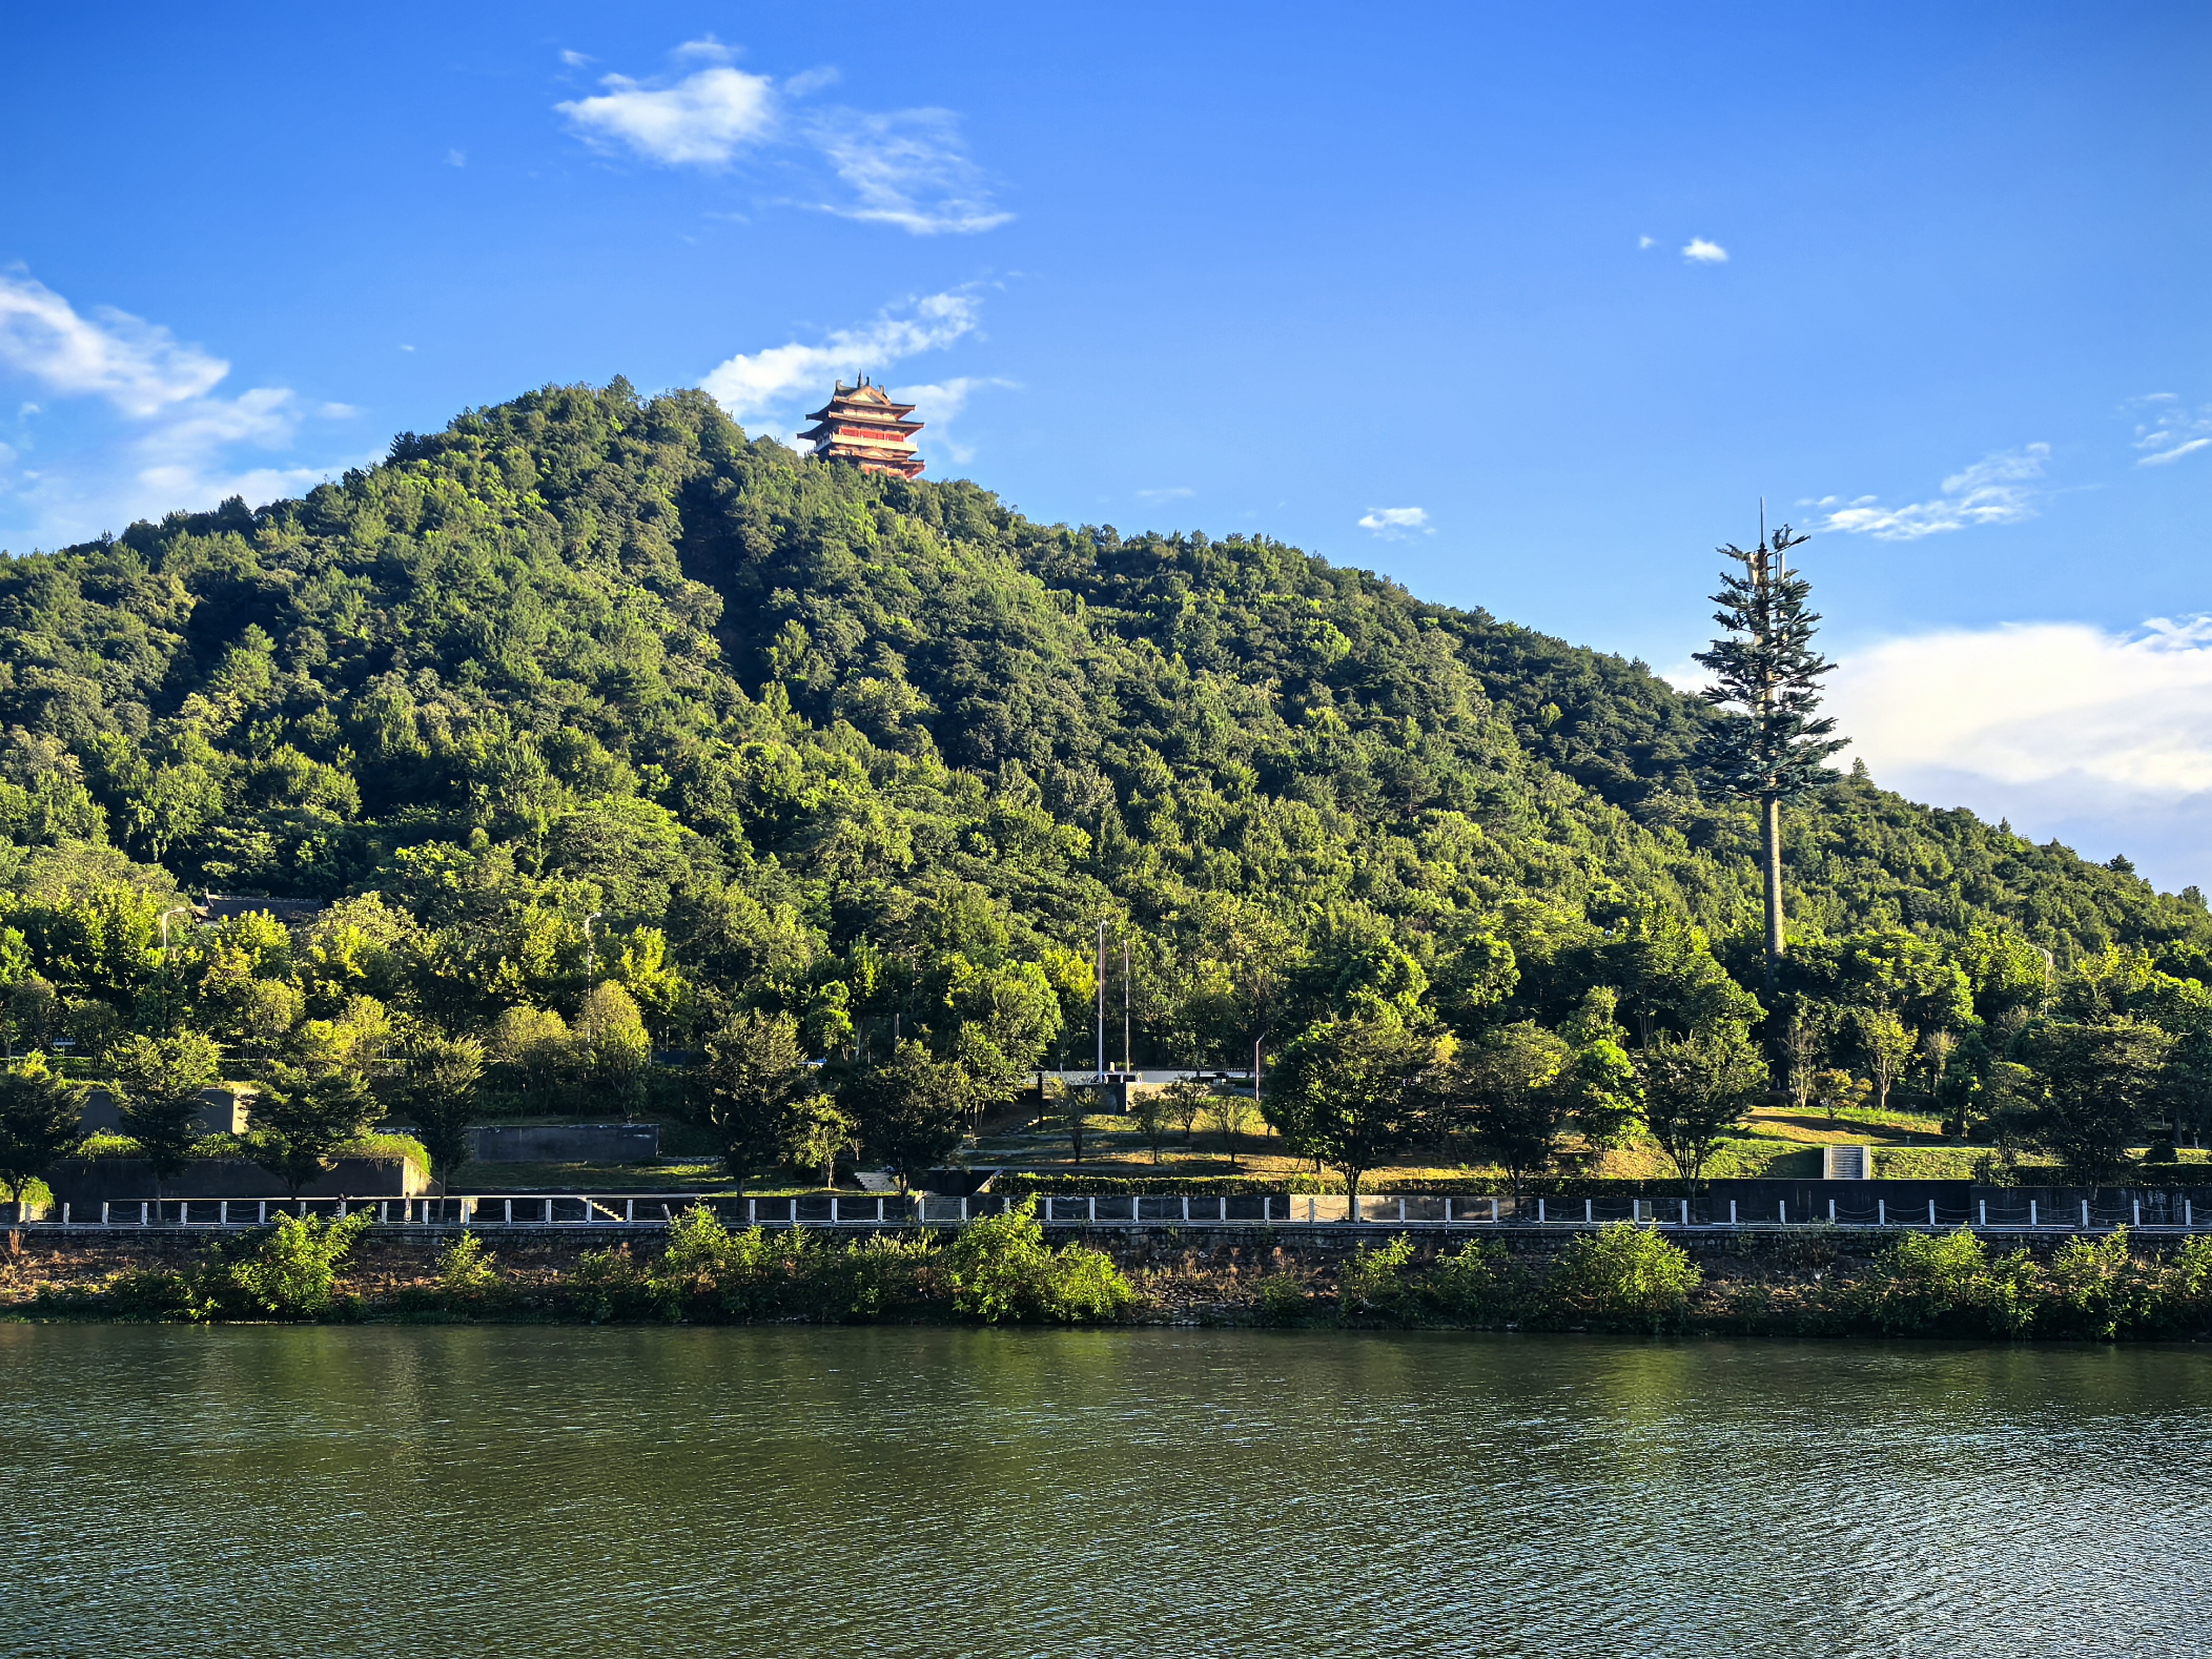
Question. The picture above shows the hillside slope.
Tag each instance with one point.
(868, 748)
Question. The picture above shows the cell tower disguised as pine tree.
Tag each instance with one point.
(1772, 751)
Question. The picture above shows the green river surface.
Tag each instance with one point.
(439, 1491)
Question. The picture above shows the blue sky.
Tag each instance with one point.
(1525, 307)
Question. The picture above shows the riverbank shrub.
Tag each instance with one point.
(1376, 1281)
(292, 1270)
(1624, 1276)
(999, 1270)
(1481, 1283)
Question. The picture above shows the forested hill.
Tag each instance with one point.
(857, 747)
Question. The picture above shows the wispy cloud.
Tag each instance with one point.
(1645, 241)
(177, 447)
(1173, 493)
(909, 168)
(2165, 430)
(906, 167)
(1392, 522)
(2103, 738)
(1702, 252)
(939, 404)
(761, 384)
(135, 365)
(1995, 489)
(701, 121)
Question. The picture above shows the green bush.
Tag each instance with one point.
(2097, 1290)
(1626, 1278)
(1928, 1282)
(999, 1269)
(1481, 1282)
(1374, 1280)
(1284, 1299)
(293, 1273)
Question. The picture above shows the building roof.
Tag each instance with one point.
(861, 424)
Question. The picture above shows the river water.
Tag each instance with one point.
(556, 1491)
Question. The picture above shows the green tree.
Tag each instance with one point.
(748, 1091)
(1774, 750)
(612, 1046)
(440, 1091)
(1153, 1113)
(158, 1083)
(1886, 1045)
(911, 1110)
(816, 1132)
(1696, 1091)
(303, 1118)
(41, 1121)
(1184, 1101)
(1350, 1090)
(2095, 1087)
(1514, 1097)
(1233, 1115)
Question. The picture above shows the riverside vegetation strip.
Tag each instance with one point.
(1002, 1270)
(597, 728)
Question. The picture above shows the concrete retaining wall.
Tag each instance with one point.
(568, 1143)
(85, 1183)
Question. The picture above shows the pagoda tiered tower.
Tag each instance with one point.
(862, 425)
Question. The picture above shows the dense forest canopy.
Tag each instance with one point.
(592, 689)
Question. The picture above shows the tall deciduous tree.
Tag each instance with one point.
(441, 1090)
(2095, 1087)
(1696, 1091)
(911, 1109)
(1772, 749)
(755, 1076)
(41, 1121)
(158, 1083)
(1350, 1091)
(304, 1117)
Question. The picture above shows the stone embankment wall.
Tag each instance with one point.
(1202, 1273)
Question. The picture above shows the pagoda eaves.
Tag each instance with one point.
(862, 425)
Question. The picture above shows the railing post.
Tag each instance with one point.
(1224, 1214)
(2031, 1213)
(2085, 1215)
(1931, 1211)
(507, 1210)
(1685, 1212)
(833, 1209)
(261, 1212)
(1831, 1213)
(1589, 1218)
(1540, 1211)
(964, 1208)
(629, 1209)
(1186, 1206)
(2138, 1210)
(1982, 1209)
(2188, 1212)
(1267, 1208)
(879, 1209)
(142, 1212)
(1731, 1213)
(65, 1218)
(1881, 1212)
(103, 1212)
(1091, 1210)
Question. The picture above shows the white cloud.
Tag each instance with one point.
(909, 168)
(1392, 522)
(1175, 493)
(700, 121)
(175, 451)
(905, 168)
(575, 59)
(750, 385)
(1701, 252)
(135, 365)
(1645, 241)
(2102, 740)
(455, 158)
(2166, 431)
(939, 404)
(1995, 489)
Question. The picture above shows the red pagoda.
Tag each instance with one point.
(861, 424)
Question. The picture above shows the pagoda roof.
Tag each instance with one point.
(862, 402)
